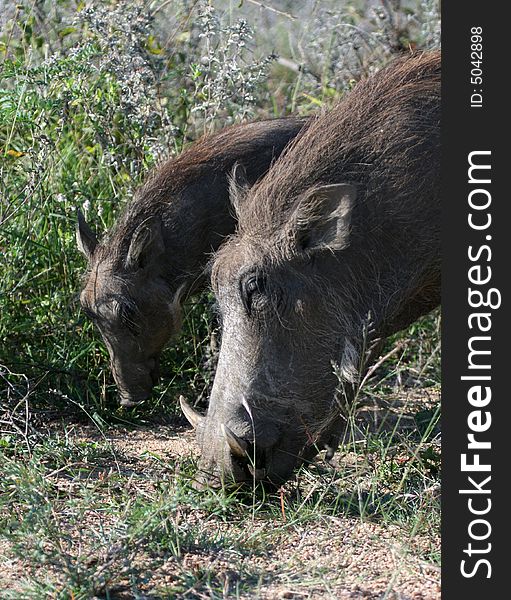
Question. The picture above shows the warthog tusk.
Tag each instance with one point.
(194, 418)
(237, 445)
(257, 473)
(330, 452)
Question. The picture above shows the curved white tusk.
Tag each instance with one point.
(237, 445)
(194, 418)
(330, 452)
(257, 474)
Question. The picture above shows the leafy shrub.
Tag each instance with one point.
(94, 95)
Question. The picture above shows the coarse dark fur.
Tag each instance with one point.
(338, 247)
(154, 257)
(189, 194)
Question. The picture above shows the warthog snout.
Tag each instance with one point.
(245, 448)
(146, 376)
(252, 445)
(254, 456)
(154, 372)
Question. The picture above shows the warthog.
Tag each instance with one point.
(154, 257)
(338, 246)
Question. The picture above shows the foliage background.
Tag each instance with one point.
(93, 95)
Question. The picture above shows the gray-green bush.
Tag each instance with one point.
(93, 96)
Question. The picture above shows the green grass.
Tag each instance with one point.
(75, 507)
(96, 523)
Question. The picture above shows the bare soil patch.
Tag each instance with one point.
(279, 556)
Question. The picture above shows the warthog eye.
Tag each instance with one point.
(128, 320)
(251, 286)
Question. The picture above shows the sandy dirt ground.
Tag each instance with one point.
(339, 557)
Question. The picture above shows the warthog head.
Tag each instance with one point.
(131, 304)
(337, 247)
(273, 394)
(157, 252)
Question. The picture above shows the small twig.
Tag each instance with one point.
(428, 361)
(161, 7)
(274, 10)
(10, 416)
(14, 20)
(66, 466)
(282, 506)
(296, 68)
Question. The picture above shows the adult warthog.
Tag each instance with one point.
(338, 246)
(154, 257)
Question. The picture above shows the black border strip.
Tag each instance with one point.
(469, 126)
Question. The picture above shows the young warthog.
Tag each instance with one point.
(338, 246)
(154, 257)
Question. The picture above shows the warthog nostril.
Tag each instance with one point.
(248, 457)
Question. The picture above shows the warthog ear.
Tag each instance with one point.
(322, 218)
(238, 186)
(146, 244)
(85, 238)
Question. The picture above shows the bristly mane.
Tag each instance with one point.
(211, 157)
(379, 137)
